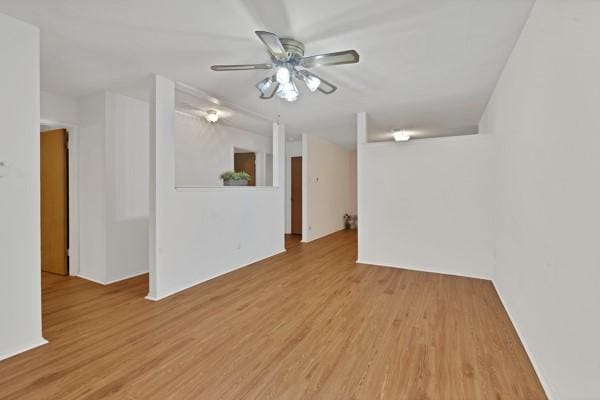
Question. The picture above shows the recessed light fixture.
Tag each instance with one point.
(401, 136)
(212, 116)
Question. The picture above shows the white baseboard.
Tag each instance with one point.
(133, 275)
(87, 278)
(182, 288)
(103, 283)
(424, 269)
(550, 393)
(321, 236)
(29, 346)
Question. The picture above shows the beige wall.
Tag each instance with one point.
(329, 186)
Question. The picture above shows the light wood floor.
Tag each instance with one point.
(307, 324)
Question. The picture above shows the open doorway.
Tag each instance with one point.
(54, 201)
(295, 203)
(296, 196)
(245, 161)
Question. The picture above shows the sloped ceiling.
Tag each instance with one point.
(426, 65)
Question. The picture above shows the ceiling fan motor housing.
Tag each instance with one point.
(294, 48)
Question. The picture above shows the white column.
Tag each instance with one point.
(279, 165)
(162, 170)
(20, 287)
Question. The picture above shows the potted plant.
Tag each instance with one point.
(231, 178)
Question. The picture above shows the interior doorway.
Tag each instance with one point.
(246, 162)
(296, 195)
(54, 201)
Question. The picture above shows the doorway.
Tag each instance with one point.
(296, 195)
(54, 201)
(246, 162)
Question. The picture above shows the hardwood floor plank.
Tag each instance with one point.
(306, 324)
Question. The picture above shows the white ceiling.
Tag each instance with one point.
(426, 65)
(193, 102)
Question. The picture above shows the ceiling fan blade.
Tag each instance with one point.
(325, 86)
(340, 57)
(274, 45)
(240, 67)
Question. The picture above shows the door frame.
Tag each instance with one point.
(73, 197)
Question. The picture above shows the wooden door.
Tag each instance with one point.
(54, 201)
(246, 162)
(296, 195)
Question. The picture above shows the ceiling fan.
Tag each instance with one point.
(287, 56)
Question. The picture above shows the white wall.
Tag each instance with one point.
(203, 151)
(426, 205)
(353, 177)
(92, 189)
(327, 193)
(292, 149)
(545, 119)
(114, 152)
(526, 184)
(20, 288)
(199, 233)
(58, 108)
(127, 177)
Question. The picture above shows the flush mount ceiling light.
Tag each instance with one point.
(212, 116)
(287, 56)
(401, 136)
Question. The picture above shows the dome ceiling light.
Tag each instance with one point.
(401, 136)
(212, 116)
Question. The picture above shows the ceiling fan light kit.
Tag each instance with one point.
(288, 59)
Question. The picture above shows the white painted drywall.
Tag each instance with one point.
(58, 108)
(127, 177)
(425, 205)
(545, 120)
(114, 152)
(199, 233)
(268, 169)
(203, 151)
(92, 189)
(292, 149)
(353, 185)
(326, 191)
(20, 287)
